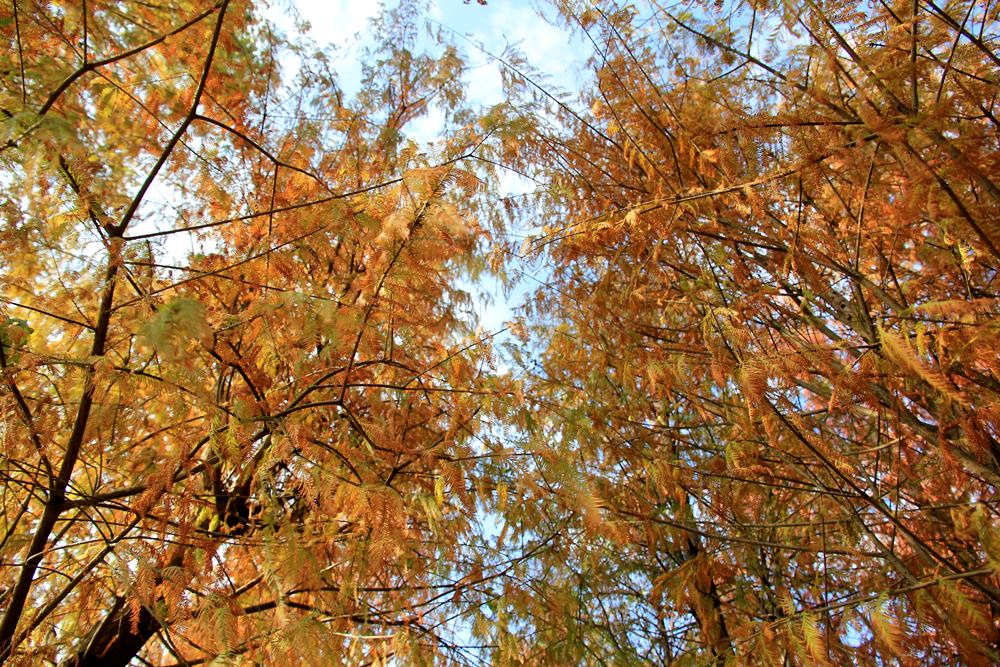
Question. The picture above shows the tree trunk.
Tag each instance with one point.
(117, 639)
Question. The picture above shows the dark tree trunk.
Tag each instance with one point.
(116, 640)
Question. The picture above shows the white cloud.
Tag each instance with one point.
(331, 21)
(343, 24)
(337, 21)
(549, 48)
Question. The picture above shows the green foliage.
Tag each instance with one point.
(14, 334)
(174, 325)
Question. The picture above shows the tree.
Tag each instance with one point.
(240, 387)
(755, 412)
(768, 391)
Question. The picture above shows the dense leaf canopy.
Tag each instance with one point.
(748, 414)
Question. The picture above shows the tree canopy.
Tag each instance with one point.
(749, 412)
(774, 360)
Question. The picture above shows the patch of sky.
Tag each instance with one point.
(486, 35)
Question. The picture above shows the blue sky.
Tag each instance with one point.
(479, 30)
(501, 22)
